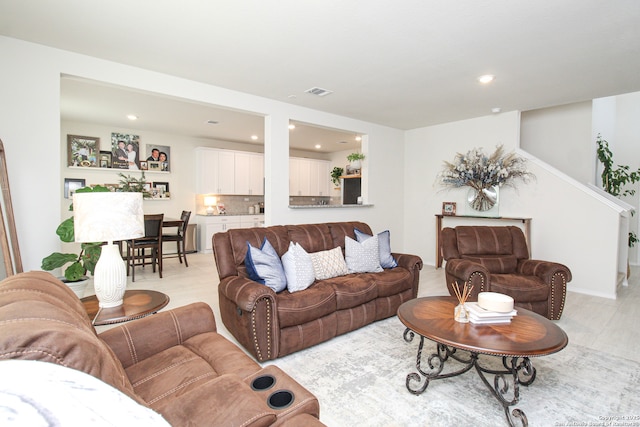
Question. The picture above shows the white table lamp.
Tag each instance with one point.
(210, 202)
(108, 217)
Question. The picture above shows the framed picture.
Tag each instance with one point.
(105, 159)
(160, 189)
(448, 208)
(143, 165)
(71, 185)
(125, 149)
(159, 153)
(154, 166)
(112, 187)
(82, 151)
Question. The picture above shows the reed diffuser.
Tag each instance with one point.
(460, 313)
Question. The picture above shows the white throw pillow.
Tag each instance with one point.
(298, 268)
(328, 264)
(362, 257)
(384, 247)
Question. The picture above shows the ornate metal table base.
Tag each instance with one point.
(517, 371)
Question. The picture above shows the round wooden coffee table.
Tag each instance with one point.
(528, 335)
(135, 304)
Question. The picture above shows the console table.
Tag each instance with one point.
(439, 217)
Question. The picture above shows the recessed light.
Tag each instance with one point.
(132, 117)
(496, 110)
(358, 138)
(254, 137)
(318, 146)
(487, 78)
(292, 126)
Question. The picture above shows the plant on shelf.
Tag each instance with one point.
(614, 179)
(336, 173)
(83, 262)
(133, 185)
(355, 157)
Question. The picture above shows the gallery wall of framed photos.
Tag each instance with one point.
(123, 153)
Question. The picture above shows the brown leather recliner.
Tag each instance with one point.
(173, 362)
(496, 259)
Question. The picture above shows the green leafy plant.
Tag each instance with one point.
(355, 156)
(89, 253)
(614, 179)
(336, 173)
(133, 185)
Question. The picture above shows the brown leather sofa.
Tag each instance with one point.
(271, 325)
(173, 362)
(496, 259)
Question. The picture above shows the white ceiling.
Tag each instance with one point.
(405, 64)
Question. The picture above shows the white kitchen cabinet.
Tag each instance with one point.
(249, 174)
(308, 177)
(250, 221)
(209, 225)
(215, 171)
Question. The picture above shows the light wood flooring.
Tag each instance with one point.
(597, 323)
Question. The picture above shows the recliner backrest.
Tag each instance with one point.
(498, 249)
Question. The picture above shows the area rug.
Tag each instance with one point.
(359, 379)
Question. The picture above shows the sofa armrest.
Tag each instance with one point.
(210, 404)
(545, 270)
(244, 292)
(137, 340)
(555, 275)
(460, 271)
(410, 262)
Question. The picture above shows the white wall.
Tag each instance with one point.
(557, 134)
(31, 131)
(569, 223)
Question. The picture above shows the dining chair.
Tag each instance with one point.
(136, 248)
(179, 237)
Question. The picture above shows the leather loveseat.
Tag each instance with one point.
(496, 259)
(271, 325)
(173, 362)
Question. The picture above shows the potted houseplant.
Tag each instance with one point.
(75, 275)
(336, 173)
(614, 179)
(354, 160)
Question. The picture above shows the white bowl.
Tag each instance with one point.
(493, 301)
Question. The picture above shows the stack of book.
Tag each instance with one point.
(479, 315)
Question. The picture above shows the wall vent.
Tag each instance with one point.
(319, 91)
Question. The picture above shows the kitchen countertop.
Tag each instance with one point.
(366, 205)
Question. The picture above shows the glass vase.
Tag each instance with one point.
(460, 314)
(482, 199)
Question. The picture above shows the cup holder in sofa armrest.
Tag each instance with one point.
(263, 382)
(280, 399)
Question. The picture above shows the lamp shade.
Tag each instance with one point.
(107, 216)
(210, 201)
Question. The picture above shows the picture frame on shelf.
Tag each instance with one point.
(449, 208)
(160, 190)
(144, 165)
(126, 151)
(71, 185)
(112, 187)
(105, 159)
(161, 154)
(82, 151)
(154, 166)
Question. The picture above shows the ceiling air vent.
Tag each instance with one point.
(318, 91)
